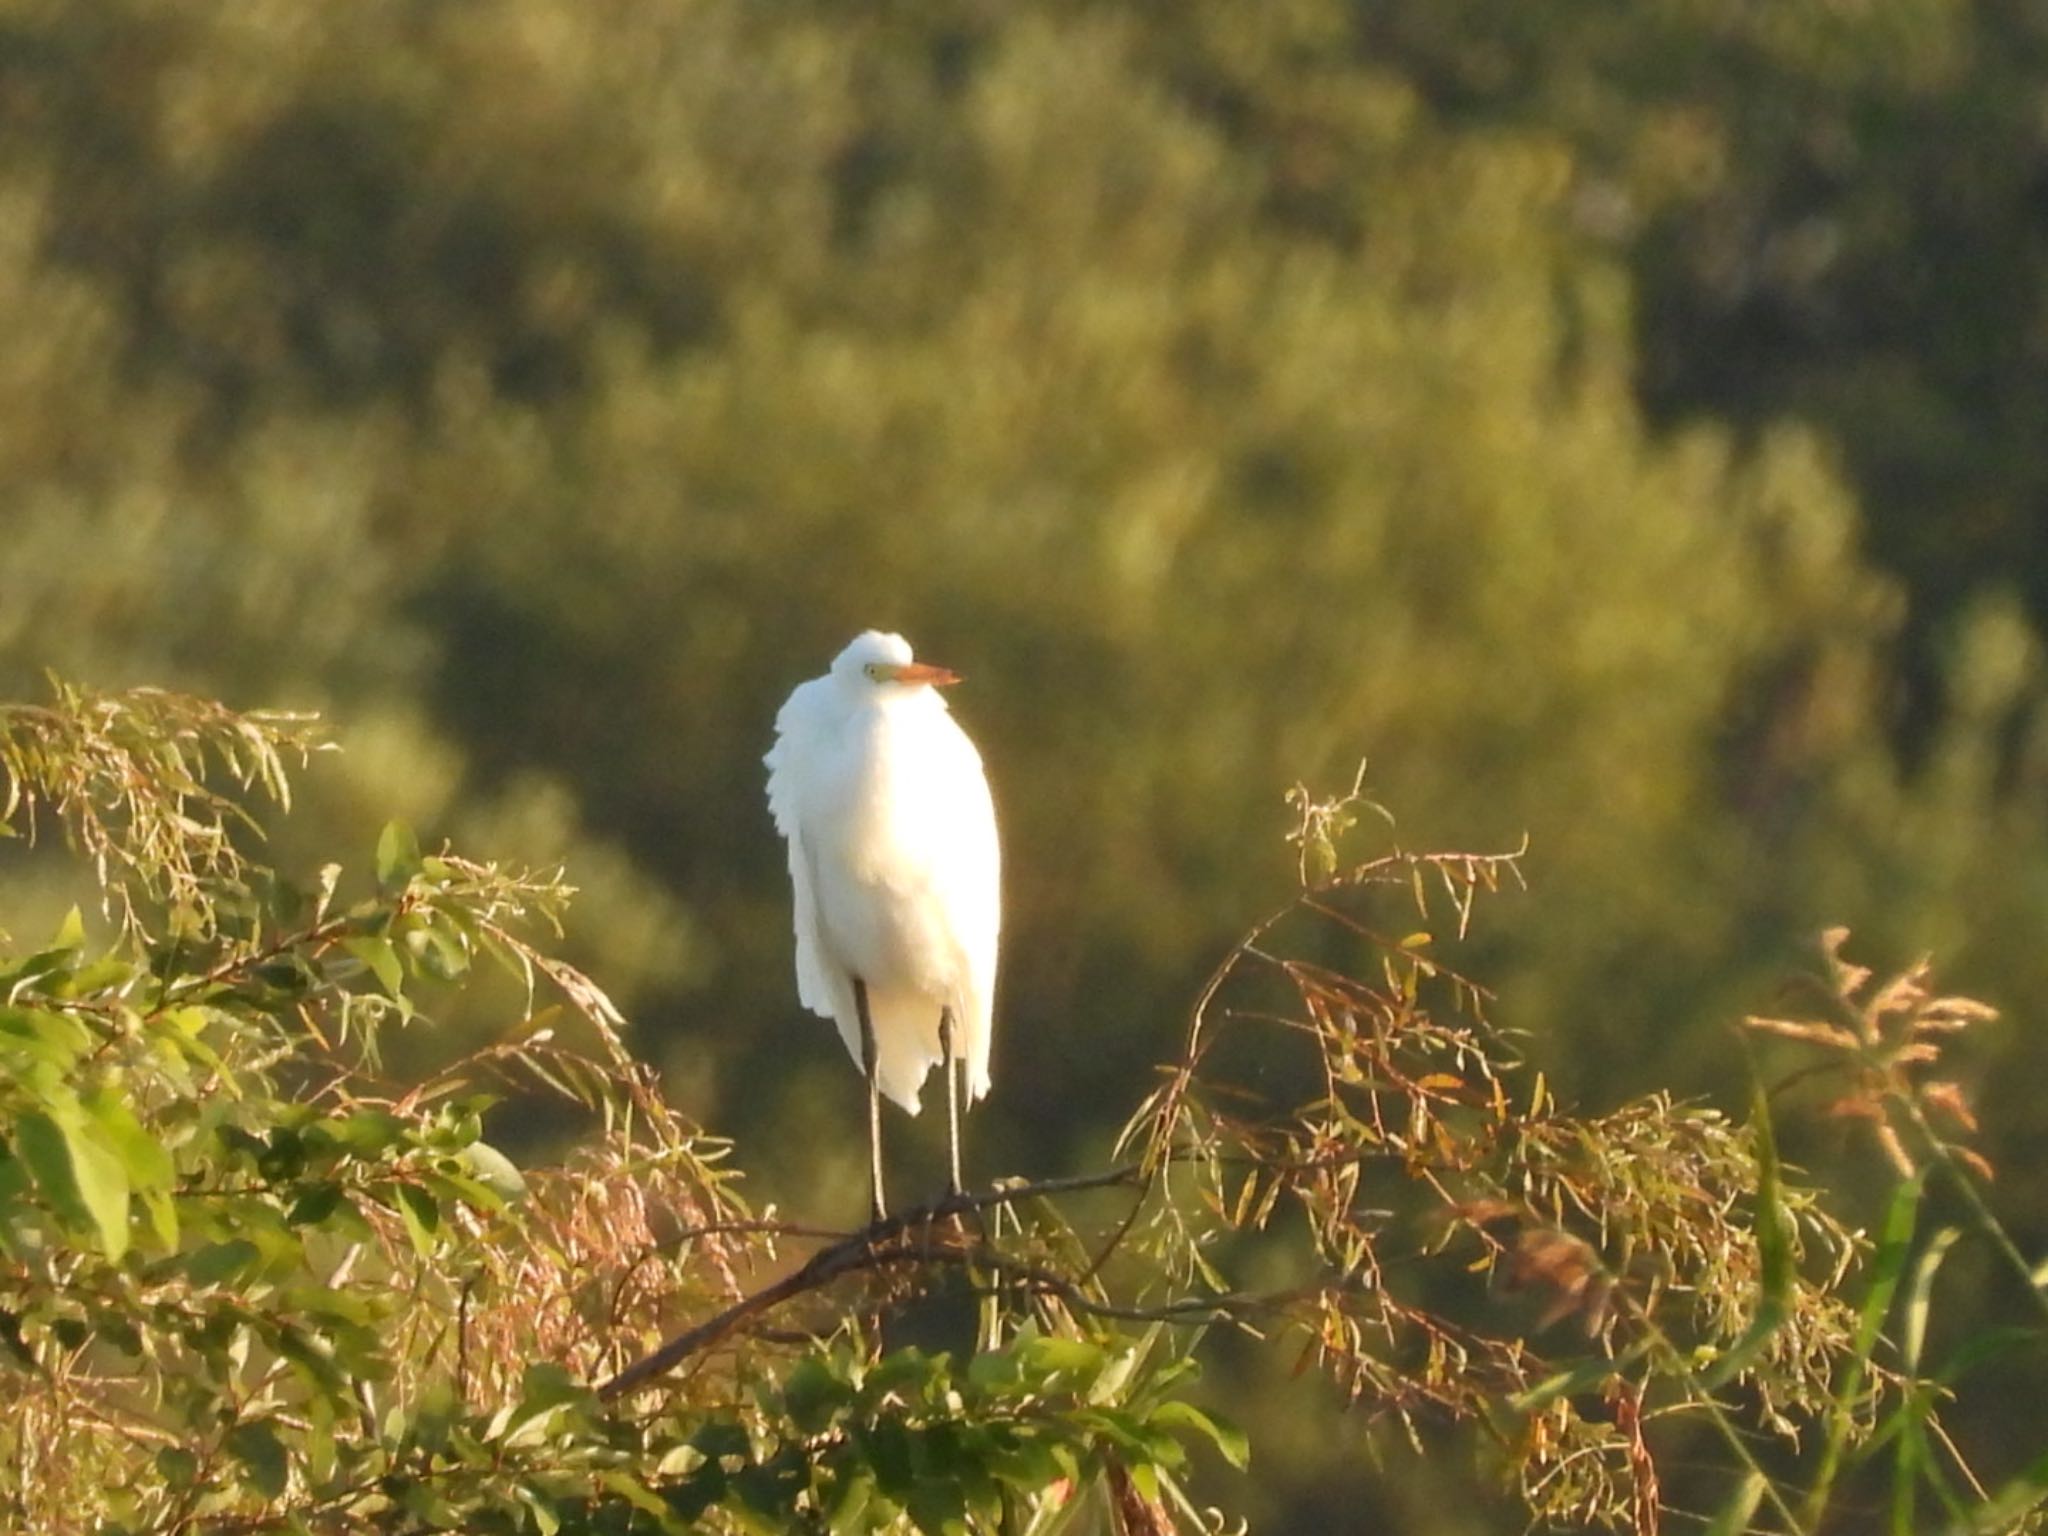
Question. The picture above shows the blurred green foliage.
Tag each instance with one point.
(1621, 425)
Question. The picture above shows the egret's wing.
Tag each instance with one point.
(794, 722)
(819, 986)
(966, 873)
(814, 988)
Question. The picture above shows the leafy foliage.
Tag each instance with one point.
(249, 1282)
(1665, 1232)
(129, 776)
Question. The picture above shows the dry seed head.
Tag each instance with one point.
(1828, 1036)
(1976, 1162)
(1956, 1012)
(1948, 1098)
(1848, 979)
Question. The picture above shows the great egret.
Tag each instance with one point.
(895, 869)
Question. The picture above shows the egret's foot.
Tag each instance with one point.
(958, 1210)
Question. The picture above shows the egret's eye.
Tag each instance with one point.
(874, 671)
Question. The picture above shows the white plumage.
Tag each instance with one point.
(894, 863)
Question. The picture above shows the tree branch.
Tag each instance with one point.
(905, 1238)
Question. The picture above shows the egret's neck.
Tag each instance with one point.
(894, 708)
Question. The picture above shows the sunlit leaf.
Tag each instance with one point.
(77, 1171)
(1919, 1297)
(398, 855)
(495, 1170)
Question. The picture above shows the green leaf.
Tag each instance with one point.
(542, 1508)
(548, 1385)
(319, 1356)
(52, 1037)
(494, 1170)
(1575, 1379)
(2004, 1510)
(454, 1189)
(438, 949)
(365, 1132)
(256, 1446)
(376, 953)
(15, 1185)
(316, 1202)
(993, 1370)
(543, 1389)
(679, 1461)
(1733, 1520)
(421, 1214)
(163, 1217)
(40, 1146)
(2005, 1346)
(1145, 1478)
(398, 855)
(79, 1175)
(634, 1492)
(849, 1514)
(1919, 1296)
(937, 1507)
(71, 932)
(1054, 1356)
(909, 1372)
(178, 1467)
(1894, 1247)
(1228, 1439)
(814, 1395)
(148, 1165)
(222, 1263)
(888, 1451)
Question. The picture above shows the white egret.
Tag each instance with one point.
(896, 873)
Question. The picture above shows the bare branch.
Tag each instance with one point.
(905, 1238)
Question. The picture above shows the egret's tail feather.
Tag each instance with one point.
(906, 1043)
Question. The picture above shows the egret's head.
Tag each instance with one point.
(879, 660)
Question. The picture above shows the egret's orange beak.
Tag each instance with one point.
(918, 672)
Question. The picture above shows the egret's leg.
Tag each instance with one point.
(951, 1064)
(868, 1065)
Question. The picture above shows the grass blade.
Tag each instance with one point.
(1735, 1515)
(1774, 1253)
(2006, 1508)
(1888, 1265)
